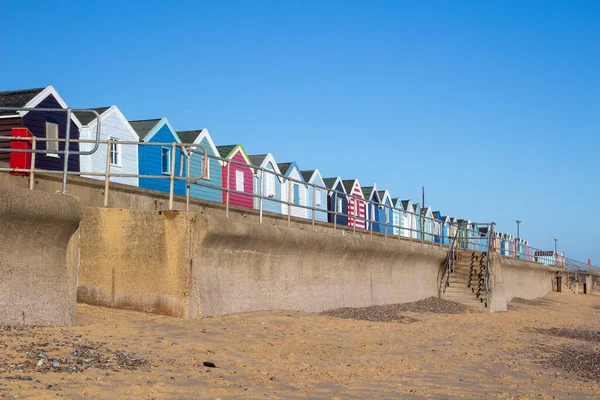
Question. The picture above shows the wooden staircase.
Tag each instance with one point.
(467, 280)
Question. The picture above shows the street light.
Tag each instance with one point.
(555, 240)
(518, 223)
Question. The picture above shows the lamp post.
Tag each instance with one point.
(555, 240)
(518, 223)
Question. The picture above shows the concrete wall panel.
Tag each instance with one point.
(38, 258)
(136, 260)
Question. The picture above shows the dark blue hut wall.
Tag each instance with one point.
(35, 121)
(6, 125)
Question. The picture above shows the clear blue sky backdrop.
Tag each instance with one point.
(494, 106)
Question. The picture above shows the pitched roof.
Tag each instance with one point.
(329, 182)
(405, 204)
(87, 117)
(257, 159)
(189, 136)
(142, 127)
(283, 167)
(367, 190)
(307, 174)
(225, 150)
(348, 183)
(17, 98)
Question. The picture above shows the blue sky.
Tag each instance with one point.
(494, 106)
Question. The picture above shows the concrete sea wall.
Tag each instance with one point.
(517, 278)
(38, 257)
(190, 265)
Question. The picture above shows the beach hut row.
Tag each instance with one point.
(233, 176)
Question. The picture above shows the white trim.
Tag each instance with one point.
(204, 134)
(38, 98)
(386, 193)
(10, 116)
(41, 96)
(161, 160)
(337, 181)
(119, 147)
(269, 158)
(163, 121)
(108, 113)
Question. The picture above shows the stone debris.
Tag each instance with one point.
(581, 361)
(209, 364)
(392, 312)
(579, 334)
(68, 354)
(537, 302)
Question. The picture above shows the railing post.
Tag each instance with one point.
(314, 209)
(227, 188)
(32, 166)
(355, 212)
(371, 217)
(172, 176)
(385, 207)
(66, 153)
(261, 180)
(289, 203)
(335, 210)
(188, 184)
(109, 145)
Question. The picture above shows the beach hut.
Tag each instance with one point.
(271, 181)
(294, 188)
(373, 208)
(442, 227)
(210, 187)
(47, 125)
(123, 157)
(417, 222)
(337, 201)
(240, 180)
(386, 213)
(316, 193)
(407, 218)
(428, 224)
(158, 160)
(356, 204)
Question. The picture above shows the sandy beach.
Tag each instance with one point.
(547, 348)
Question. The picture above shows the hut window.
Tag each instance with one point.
(165, 161)
(270, 184)
(239, 181)
(115, 153)
(317, 197)
(339, 205)
(52, 133)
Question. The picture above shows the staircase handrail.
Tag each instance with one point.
(490, 250)
(449, 264)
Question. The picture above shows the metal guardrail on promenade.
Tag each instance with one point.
(392, 222)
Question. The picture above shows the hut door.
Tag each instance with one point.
(558, 283)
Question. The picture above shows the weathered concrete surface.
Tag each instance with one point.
(190, 265)
(136, 260)
(511, 278)
(38, 259)
(242, 267)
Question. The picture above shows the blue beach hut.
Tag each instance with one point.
(319, 195)
(386, 214)
(209, 187)
(271, 183)
(337, 201)
(157, 160)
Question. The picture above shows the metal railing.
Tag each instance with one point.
(448, 267)
(366, 216)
